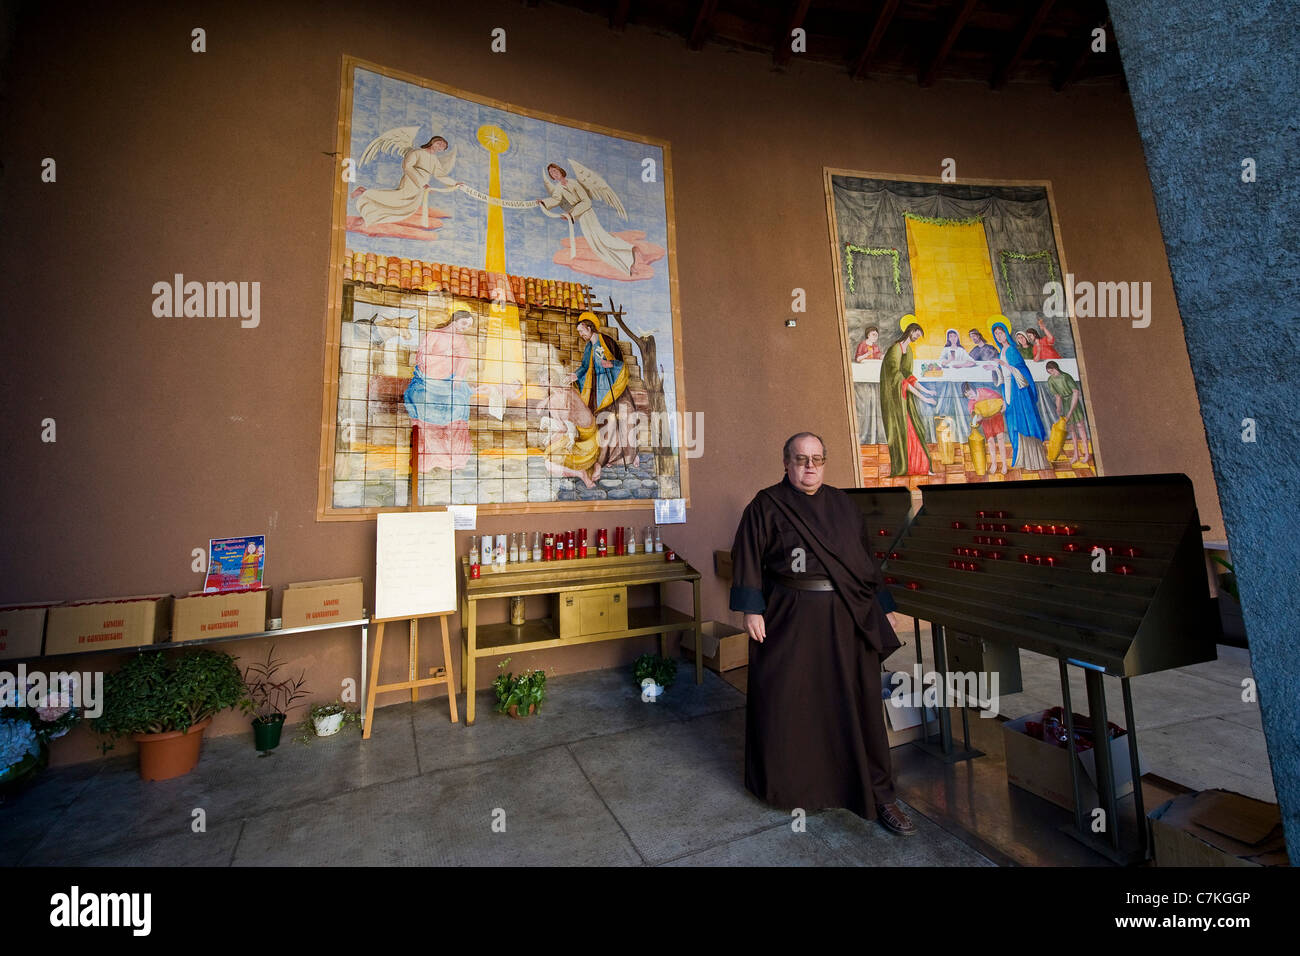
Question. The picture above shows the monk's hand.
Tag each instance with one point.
(894, 622)
(756, 627)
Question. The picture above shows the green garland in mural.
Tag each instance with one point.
(870, 251)
(1007, 255)
(940, 221)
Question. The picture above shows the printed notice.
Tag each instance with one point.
(414, 564)
(464, 516)
(670, 511)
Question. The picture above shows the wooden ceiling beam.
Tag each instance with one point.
(782, 48)
(883, 18)
(1068, 70)
(1008, 67)
(618, 11)
(703, 23)
(936, 62)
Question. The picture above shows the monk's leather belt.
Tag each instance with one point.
(804, 582)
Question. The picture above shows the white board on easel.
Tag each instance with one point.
(415, 564)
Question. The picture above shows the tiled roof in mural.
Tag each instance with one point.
(417, 275)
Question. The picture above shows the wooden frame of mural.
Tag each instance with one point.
(955, 411)
(531, 392)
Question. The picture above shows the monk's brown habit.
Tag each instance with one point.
(814, 731)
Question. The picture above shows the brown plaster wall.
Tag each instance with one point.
(218, 166)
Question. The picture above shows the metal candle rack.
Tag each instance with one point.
(1106, 574)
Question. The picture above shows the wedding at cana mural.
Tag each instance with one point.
(956, 371)
(501, 288)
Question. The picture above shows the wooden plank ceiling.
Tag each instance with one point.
(997, 42)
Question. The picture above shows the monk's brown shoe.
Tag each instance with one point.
(892, 818)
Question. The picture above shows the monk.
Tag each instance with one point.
(816, 608)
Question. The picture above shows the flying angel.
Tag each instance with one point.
(574, 198)
(420, 164)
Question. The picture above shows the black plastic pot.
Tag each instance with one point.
(266, 733)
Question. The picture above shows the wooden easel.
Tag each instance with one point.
(441, 675)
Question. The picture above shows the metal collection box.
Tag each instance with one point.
(590, 611)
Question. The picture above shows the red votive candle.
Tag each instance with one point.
(1069, 546)
(913, 585)
(996, 555)
(957, 525)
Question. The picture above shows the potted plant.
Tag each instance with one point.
(519, 696)
(165, 704)
(653, 675)
(328, 719)
(27, 727)
(271, 696)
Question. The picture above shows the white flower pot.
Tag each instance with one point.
(328, 726)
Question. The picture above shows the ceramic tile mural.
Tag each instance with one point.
(502, 290)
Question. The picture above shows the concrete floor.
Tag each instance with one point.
(598, 778)
(1192, 725)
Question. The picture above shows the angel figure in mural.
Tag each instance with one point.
(574, 198)
(420, 164)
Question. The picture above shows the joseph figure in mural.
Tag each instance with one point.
(901, 396)
(601, 381)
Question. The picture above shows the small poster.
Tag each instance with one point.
(235, 564)
(670, 511)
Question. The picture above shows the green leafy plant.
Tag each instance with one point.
(153, 694)
(272, 695)
(527, 689)
(1228, 580)
(663, 670)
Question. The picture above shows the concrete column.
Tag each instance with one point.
(1215, 85)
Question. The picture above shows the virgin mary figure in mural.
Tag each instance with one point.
(901, 395)
(601, 380)
(439, 395)
(573, 197)
(1024, 426)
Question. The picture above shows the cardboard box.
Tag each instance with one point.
(201, 616)
(725, 647)
(1043, 769)
(22, 630)
(1217, 828)
(322, 602)
(107, 624)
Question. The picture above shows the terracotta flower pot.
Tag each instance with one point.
(513, 711)
(173, 754)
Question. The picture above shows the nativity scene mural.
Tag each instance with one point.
(503, 292)
(957, 373)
